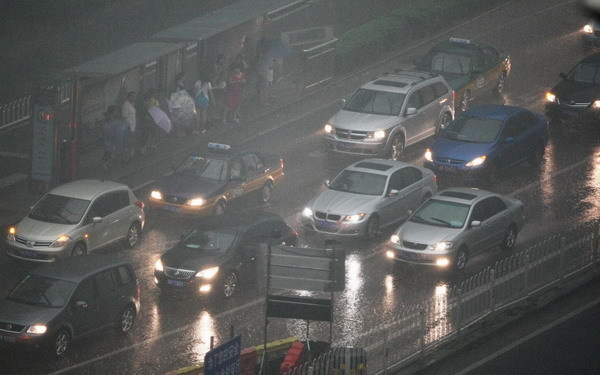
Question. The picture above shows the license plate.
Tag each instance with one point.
(8, 338)
(175, 282)
(347, 145)
(172, 208)
(325, 224)
(411, 256)
(445, 168)
(28, 253)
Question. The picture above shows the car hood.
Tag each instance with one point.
(184, 185)
(192, 259)
(32, 229)
(26, 315)
(343, 203)
(576, 91)
(467, 151)
(362, 121)
(426, 234)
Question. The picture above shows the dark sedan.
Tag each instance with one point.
(220, 253)
(488, 139)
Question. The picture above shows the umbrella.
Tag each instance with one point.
(160, 118)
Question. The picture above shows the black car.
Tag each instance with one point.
(220, 253)
(68, 299)
(578, 92)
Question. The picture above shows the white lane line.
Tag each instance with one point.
(548, 178)
(18, 155)
(528, 337)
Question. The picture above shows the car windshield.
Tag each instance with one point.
(585, 73)
(42, 291)
(198, 166)
(442, 214)
(58, 209)
(473, 129)
(359, 183)
(375, 102)
(210, 240)
(445, 62)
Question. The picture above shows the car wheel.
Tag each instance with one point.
(133, 234)
(60, 343)
(510, 238)
(266, 192)
(396, 151)
(219, 208)
(230, 284)
(461, 259)
(499, 89)
(372, 228)
(126, 320)
(446, 119)
(537, 156)
(464, 101)
(78, 249)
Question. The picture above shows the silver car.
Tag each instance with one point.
(454, 225)
(77, 218)
(368, 195)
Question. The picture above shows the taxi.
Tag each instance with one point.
(203, 184)
(469, 67)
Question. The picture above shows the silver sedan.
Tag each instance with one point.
(368, 195)
(454, 225)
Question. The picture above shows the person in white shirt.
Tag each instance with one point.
(128, 112)
(204, 100)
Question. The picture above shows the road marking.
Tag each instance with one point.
(528, 337)
(18, 155)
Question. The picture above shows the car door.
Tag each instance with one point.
(247, 253)
(430, 109)
(393, 208)
(498, 220)
(236, 180)
(480, 237)
(120, 214)
(511, 148)
(83, 307)
(493, 66)
(108, 298)
(99, 233)
(254, 175)
(412, 124)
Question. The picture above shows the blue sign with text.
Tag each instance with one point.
(224, 359)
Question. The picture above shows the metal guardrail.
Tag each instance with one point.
(515, 280)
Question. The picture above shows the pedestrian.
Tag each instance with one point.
(264, 71)
(218, 79)
(128, 112)
(204, 99)
(233, 96)
(109, 137)
(147, 126)
(182, 108)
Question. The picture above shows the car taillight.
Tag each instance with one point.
(140, 204)
(281, 162)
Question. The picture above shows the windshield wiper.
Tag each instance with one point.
(441, 221)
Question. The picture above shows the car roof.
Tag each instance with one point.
(216, 154)
(86, 189)
(492, 111)
(595, 58)
(238, 220)
(463, 195)
(77, 268)
(400, 81)
(378, 166)
(452, 46)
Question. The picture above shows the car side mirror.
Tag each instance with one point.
(562, 75)
(343, 102)
(409, 212)
(411, 111)
(327, 183)
(81, 304)
(96, 220)
(475, 223)
(393, 193)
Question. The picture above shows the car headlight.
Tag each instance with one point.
(61, 241)
(208, 273)
(37, 329)
(390, 254)
(395, 239)
(428, 155)
(11, 234)
(158, 266)
(328, 128)
(440, 246)
(155, 194)
(550, 97)
(442, 262)
(355, 217)
(476, 162)
(196, 202)
(596, 104)
(588, 29)
(379, 134)
(307, 212)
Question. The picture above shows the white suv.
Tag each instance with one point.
(389, 113)
(77, 218)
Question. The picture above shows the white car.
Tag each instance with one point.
(455, 224)
(77, 218)
(368, 195)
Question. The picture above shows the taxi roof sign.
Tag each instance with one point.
(460, 40)
(219, 146)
